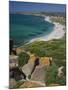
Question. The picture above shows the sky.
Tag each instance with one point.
(15, 6)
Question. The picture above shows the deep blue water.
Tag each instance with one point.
(26, 27)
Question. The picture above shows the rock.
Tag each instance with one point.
(12, 83)
(60, 72)
(45, 61)
(19, 50)
(30, 84)
(27, 68)
(17, 74)
(39, 74)
(13, 61)
(32, 58)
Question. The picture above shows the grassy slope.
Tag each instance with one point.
(55, 49)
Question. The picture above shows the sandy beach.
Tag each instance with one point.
(57, 33)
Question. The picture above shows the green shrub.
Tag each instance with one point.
(29, 76)
(52, 78)
(51, 74)
(54, 48)
(23, 58)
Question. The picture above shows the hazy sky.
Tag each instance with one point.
(15, 6)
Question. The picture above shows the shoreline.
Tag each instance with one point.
(57, 33)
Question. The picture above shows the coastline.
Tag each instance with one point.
(57, 33)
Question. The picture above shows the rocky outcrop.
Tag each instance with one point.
(60, 72)
(13, 61)
(17, 74)
(32, 58)
(45, 61)
(39, 74)
(19, 50)
(27, 69)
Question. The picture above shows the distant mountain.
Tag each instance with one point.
(61, 14)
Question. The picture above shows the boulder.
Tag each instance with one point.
(13, 61)
(39, 74)
(45, 61)
(27, 68)
(60, 72)
(17, 74)
(32, 58)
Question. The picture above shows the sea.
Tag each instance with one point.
(24, 28)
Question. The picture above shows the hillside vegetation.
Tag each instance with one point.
(55, 49)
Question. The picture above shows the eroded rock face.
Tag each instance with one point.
(27, 68)
(39, 74)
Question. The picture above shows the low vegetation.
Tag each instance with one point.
(23, 58)
(51, 74)
(55, 49)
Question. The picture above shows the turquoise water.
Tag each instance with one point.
(26, 27)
